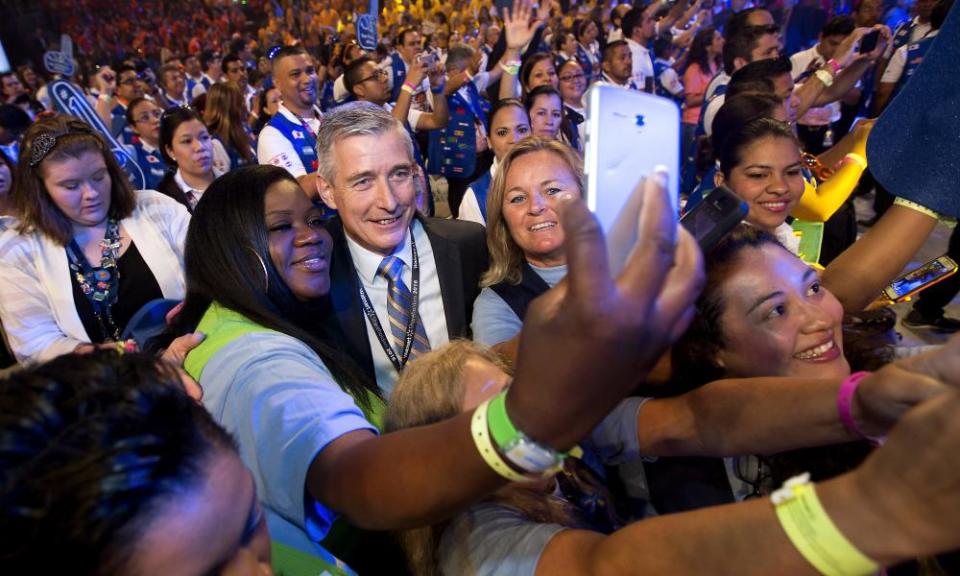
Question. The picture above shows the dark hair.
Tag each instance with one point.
(694, 355)
(171, 120)
(766, 69)
(738, 110)
(741, 45)
(503, 105)
(286, 52)
(230, 58)
(631, 20)
(207, 56)
(607, 54)
(402, 34)
(546, 90)
(559, 37)
(730, 152)
(126, 67)
(352, 73)
(838, 26)
(939, 13)
(580, 27)
(740, 22)
(699, 49)
(13, 118)
(663, 45)
(133, 105)
(763, 85)
(529, 63)
(226, 254)
(31, 201)
(92, 446)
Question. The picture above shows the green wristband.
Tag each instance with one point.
(502, 430)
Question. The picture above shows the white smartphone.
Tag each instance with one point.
(630, 135)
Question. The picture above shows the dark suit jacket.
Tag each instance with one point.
(460, 252)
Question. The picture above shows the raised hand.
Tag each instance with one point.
(518, 26)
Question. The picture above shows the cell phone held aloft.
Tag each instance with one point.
(869, 41)
(714, 217)
(907, 286)
(629, 135)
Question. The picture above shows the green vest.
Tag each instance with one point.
(222, 326)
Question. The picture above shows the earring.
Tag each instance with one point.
(263, 266)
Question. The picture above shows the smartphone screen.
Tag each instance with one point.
(869, 41)
(630, 135)
(916, 280)
(713, 217)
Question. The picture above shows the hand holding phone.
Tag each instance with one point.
(905, 287)
(869, 42)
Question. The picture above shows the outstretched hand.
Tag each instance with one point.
(519, 25)
(588, 341)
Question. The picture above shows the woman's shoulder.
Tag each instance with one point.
(152, 204)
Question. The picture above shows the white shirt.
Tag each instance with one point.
(894, 70)
(713, 106)
(670, 80)
(274, 148)
(721, 79)
(193, 195)
(413, 116)
(431, 302)
(642, 63)
(917, 31)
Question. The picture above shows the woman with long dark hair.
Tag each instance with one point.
(225, 117)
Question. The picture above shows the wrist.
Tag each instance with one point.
(846, 397)
(834, 66)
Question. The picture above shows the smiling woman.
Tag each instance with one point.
(524, 234)
(89, 251)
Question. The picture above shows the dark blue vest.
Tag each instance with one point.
(583, 58)
(152, 165)
(659, 67)
(119, 127)
(480, 187)
(701, 128)
(915, 53)
(399, 71)
(453, 150)
(303, 141)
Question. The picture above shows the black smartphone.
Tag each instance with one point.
(714, 216)
(908, 285)
(869, 41)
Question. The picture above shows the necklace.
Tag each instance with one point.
(100, 285)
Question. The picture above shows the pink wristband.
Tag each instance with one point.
(845, 405)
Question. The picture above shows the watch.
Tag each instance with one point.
(518, 448)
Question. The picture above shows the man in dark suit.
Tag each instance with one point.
(401, 283)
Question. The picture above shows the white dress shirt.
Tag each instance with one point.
(642, 63)
(274, 148)
(431, 302)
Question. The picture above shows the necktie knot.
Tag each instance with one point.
(391, 268)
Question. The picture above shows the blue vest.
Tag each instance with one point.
(303, 141)
(152, 165)
(583, 58)
(915, 53)
(701, 125)
(119, 127)
(901, 35)
(399, 70)
(191, 84)
(480, 187)
(453, 150)
(659, 67)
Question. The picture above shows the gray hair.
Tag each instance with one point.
(354, 119)
(459, 57)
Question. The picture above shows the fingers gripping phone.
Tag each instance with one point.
(913, 282)
(630, 135)
(714, 216)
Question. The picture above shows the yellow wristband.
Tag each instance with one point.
(406, 88)
(914, 206)
(481, 437)
(814, 534)
(856, 159)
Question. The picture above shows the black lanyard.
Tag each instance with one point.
(398, 361)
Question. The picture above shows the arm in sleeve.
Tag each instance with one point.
(493, 319)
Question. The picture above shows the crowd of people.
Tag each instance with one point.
(357, 318)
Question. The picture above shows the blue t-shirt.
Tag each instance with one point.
(283, 406)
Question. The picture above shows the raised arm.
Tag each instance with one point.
(608, 331)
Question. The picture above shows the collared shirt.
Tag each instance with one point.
(274, 148)
(193, 195)
(608, 80)
(642, 63)
(431, 302)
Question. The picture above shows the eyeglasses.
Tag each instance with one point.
(572, 77)
(766, 29)
(380, 73)
(129, 81)
(147, 116)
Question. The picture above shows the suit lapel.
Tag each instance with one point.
(344, 296)
(447, 258)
